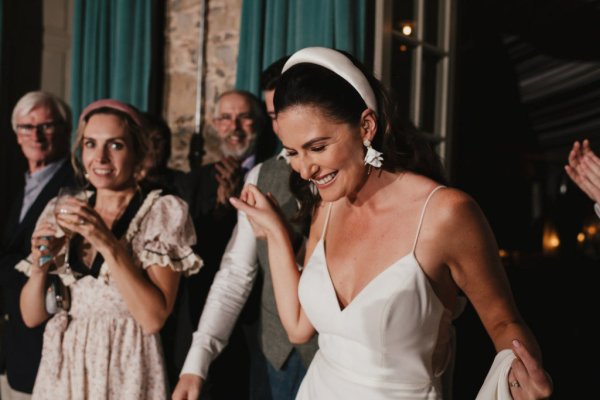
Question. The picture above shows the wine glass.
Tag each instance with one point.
(64, 194)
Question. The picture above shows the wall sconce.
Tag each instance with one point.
(407, 27)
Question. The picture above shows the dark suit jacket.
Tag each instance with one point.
(21, 346)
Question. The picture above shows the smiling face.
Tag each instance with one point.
(234, 123)
(42, 138)
(107, 153)
(327, 152)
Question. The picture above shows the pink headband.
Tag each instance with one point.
(115, 105)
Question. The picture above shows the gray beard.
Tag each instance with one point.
(241, 153)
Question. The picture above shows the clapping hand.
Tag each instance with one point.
(229, 176)
(584, 169)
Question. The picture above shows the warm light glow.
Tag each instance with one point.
(407, 30)
(502, 253)
(553, 241)
(592, 230)
(403, 47)
(550, 239)
(580, 237)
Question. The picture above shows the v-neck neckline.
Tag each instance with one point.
(357, 296)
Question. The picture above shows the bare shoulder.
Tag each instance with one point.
(450, 206)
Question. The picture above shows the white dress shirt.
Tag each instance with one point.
(228, 293)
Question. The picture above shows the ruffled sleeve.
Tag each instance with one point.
(166, 236)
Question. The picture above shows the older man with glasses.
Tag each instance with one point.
(42, 124)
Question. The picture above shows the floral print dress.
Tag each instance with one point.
(97, 350)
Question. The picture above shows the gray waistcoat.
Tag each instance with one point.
(274, 178)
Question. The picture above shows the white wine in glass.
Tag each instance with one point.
(64, 194)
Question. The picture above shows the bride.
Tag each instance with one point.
(389, 249)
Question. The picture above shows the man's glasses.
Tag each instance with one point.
(46, 128)
(227, 119)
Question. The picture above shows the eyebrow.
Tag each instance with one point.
(108, 140)
(310, 142)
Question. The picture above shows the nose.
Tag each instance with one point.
(39, 134)
(101, 155)
(308, 169)
(238, 123)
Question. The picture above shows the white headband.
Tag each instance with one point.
(336, 62)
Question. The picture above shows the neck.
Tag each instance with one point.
(38, 165)
(373, 188)
(111, 204)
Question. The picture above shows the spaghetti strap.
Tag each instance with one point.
(422, 216)
(326, 221)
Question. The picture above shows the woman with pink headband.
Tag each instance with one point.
(125, 260)
(389, 250)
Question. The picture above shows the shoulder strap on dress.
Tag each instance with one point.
(423, 215)
(326, 221)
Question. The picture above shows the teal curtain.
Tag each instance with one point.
(112, 51)
(271, 29)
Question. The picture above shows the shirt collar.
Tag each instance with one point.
(283, 154)
(249, 162)
(46, 172)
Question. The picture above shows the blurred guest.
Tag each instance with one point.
(42, 123)
(156, 173)
(278, 366)
(124, 263)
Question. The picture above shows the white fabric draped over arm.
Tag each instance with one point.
(495, 386)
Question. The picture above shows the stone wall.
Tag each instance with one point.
(222, 28)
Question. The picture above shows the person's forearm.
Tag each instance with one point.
(286, 276)
(33, 300)
(226, 299)
(145, 301)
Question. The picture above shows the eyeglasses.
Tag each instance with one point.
(43, 128)
(242, 119)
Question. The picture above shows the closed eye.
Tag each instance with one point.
(318, 149)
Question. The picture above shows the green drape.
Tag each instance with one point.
(111, 52)
(271, 29)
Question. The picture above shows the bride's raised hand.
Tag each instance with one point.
(262, 212)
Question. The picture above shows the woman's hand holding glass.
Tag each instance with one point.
(44, 247)
(66, 196)
(78, 217)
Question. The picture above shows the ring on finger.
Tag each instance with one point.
(81, 221)
(515, 384)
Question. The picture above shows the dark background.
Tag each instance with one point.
(527, 85)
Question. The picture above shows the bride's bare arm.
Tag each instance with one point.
(268, 223)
